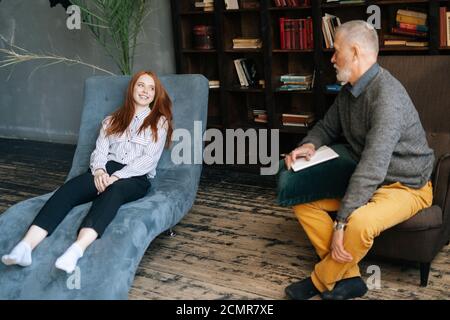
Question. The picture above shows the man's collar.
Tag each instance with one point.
(142, 114)
(364, 80)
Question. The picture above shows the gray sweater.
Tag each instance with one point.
(382, 126)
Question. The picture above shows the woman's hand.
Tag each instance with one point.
(307, 150)
(101, 180)
(112, 179)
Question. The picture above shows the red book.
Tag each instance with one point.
(288, 33)
(300, 33)
(297, 30)
(308, 33)
(409, 32)
(442, 26)
(282, 34)
(305, 34)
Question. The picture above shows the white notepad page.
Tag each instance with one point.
(322, 154)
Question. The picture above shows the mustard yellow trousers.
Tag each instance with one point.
(389, 205)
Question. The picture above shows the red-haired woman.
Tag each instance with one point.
(127, 151)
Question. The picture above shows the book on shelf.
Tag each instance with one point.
(214, 84)
(250, 4)
(231, 4)
(203, 37)
(448, 28)
(246, 71)
(206, 5)
(240, 73)
(444, 27)
(259, 115)
(298, 118)
(329, 26)
(292, 3)
(296, 124)
(247, 43)
(413, 33)
(409, 29)
(296, 34)
(321, 155)
(333, 88)
(295, 82)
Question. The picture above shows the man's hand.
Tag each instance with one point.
(101, 179)
(307, 150)
(338, 252)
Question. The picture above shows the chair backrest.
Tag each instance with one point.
(427, 80)
(104, 94)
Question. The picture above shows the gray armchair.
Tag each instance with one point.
(419, 239)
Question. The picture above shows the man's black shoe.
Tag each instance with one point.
(346, 289)
(302, 290)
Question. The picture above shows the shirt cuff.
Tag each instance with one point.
(317, 144)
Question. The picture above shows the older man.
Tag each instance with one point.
(391, 181)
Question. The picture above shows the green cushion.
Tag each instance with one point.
(323, 181)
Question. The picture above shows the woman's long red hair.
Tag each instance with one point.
(161, 106)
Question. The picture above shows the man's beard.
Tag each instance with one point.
(343, 74)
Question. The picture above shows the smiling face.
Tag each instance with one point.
(144, 91)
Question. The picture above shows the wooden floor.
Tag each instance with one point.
(235, 243)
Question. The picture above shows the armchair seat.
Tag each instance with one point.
(426, 219)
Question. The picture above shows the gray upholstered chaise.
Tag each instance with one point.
(108, 267)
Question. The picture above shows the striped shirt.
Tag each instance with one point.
(138, 152)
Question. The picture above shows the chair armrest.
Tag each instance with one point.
(441, 183)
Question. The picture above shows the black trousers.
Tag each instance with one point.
(82, 189)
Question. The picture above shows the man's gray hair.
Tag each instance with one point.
(361, 33)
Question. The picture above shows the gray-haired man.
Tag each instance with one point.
(391, 181)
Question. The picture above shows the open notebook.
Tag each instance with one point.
(322, 154)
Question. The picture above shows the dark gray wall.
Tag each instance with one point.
(45, 104)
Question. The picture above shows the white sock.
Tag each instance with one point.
(21, 255)
(68, 261)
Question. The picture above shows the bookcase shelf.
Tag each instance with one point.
(241, 10)
(292, 51)
(243, 50)
(190, 13)
(245, 89)
(231, 105)
(289, 8)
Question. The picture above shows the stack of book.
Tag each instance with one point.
(410, 29)
(246, 72)
(329, 26)
(292, 3)
(296, 34)
(296, 82)
(247, 43)
(259, 115)
(203, 37)
(297, 120)
(444, 27)
(214, 84)
(205, 5)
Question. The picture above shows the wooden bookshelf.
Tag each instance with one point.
(230, 105)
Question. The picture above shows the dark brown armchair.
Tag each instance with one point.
(419, 239)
